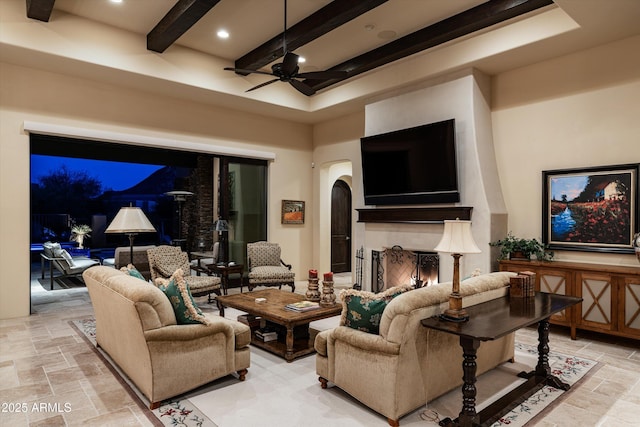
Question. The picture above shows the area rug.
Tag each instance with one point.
(277, 393)
(62, 283)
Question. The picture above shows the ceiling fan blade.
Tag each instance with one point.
(324, 75)
(302, 87)
(243, 71)
(290, 64)
(262, 85)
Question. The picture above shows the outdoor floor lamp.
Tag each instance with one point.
(130, 221)
(456, 240)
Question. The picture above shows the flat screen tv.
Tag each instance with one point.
(411, 166)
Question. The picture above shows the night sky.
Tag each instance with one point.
(113, 175)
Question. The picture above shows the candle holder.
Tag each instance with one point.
(313, 293)
(328, 298)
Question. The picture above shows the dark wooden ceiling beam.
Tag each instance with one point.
(313, 26)
(467, 22)
(40, 9)
(176, 22)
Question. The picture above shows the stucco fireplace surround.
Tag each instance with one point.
(466, 98)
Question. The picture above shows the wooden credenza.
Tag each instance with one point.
(610, 293)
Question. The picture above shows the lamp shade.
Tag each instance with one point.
(222, 225)
(457, 238)
(130, 220)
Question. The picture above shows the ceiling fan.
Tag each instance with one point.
(287, 70)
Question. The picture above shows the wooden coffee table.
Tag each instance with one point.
(273, 310)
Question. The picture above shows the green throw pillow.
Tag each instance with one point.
(185, 308)
(132, 271)
(362, 310)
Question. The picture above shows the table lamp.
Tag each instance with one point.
(130, 221)
(456, 240)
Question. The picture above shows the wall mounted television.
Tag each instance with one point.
(411, 166)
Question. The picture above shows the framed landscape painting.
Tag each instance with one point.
(591, 209)
(292, 212)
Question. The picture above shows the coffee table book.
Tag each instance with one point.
(302, 306)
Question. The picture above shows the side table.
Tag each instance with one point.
(224, 270)
(492, 320)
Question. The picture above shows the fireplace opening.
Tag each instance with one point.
(396, 266)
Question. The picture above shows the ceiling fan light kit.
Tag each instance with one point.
(288, 70)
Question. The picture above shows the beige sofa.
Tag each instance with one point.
(122, 258)
(136, 326)
(407, 365)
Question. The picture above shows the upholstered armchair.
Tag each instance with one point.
(165, 260)
(266, 268)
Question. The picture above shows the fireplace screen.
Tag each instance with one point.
(397, 266)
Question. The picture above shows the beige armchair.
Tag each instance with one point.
(266, 268)
(165, 260)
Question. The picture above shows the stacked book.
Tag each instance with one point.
(302, 306)
(523, 285)
(254, 322)
(266, 335)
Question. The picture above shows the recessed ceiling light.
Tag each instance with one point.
(223, 34)
(302, 60)
(116, 1)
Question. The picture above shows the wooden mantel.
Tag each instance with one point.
(414, 215)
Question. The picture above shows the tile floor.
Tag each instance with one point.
(48, 376)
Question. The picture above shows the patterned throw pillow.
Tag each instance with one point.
(362, 310)
(131, 270)
(185, 308)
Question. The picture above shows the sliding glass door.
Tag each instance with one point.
(244, 205)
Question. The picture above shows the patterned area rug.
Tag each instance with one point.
(220, 401)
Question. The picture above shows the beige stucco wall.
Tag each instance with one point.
(32, 95)
(336, 155)
(575, 111)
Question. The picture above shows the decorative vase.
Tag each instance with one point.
(80, 240)
(328, 298)
(636, 245)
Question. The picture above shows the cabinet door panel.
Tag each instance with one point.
(630, 301)
(596, 309)
(555, 282)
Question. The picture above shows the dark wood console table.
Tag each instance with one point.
(492, 320)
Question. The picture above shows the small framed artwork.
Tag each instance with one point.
(292, 212)
(591, 209)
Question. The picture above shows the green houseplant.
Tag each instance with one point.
(512, 247)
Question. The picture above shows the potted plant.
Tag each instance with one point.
(79, 232)
(512, 247)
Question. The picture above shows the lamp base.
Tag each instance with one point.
(454, 316)
(455, 312)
